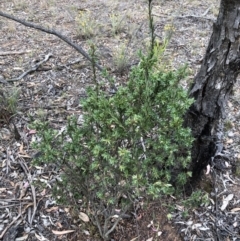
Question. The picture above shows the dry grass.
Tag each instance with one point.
(11, 27)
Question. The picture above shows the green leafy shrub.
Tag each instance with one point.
(197, 199)
(130, 144)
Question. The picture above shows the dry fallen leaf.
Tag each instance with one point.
(3, 189)
(196, 225)
(62, 232)
(229, 141)
(150, 224)
(21, 149)
(134, 238)
(203, 228)
(139, 217)
(86, 232)
(208, 169)
(58, 224)
(52, 209)
(22, 152)
(227, 164)
(25, 156)
(235, 209)
(67, 210)
(43, 192)
(150, 239)
(180, 208)
(84, 217)
(5, 134)
(22, 238)
(41, 238)
(235, 224)
(226, 201)
(32, 132)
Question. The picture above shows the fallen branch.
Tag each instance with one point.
(197, 17)
(201, 16)
(53, 32)
(13, 52)
(34, 68)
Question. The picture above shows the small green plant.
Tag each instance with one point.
(87, 27)
(196, 199)
(117, 23)
(8, 105)
(121, 58)
(41, 114)
(9, 99)
(11, 27)
(169, 29)
(228, 125)
(12, 99)
(237, 171)
(185, 214)
(20, 4)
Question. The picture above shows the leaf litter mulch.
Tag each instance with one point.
(52, 92)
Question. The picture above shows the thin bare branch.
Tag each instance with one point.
(112, 228)
(33, 68)
(14, 52)
(53, 32)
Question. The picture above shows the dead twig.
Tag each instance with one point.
(202, 16)
(197, 17)
(11, 205)
(53, 32)
(13, 52)
(34, 68)
(10, 224)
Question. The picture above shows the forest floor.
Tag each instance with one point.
(118, 29)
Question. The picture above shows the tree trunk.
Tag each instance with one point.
(213, 84)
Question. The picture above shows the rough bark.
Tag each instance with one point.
(213, 84)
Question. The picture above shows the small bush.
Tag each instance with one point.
(196, 199)
(86, 26)
(121, 58)
(117, 23)
(8, 103)
(130, 144)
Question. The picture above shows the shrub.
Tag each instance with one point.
(86, 26)
(130, 144)
(8, 104)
